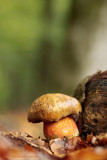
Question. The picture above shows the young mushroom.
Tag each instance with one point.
(55, 110)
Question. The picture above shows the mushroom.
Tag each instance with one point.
(55, 110)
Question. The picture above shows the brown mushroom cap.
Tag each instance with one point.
(52, 107)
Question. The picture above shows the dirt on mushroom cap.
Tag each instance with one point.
(52, 107)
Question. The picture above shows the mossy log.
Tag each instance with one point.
(92, 94)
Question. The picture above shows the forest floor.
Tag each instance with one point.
(17, 122)
(22, 140)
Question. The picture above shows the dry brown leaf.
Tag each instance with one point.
(76, 143)
(58, 147)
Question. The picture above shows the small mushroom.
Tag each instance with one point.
(54, 111)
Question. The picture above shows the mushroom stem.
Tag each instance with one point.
(65, 127)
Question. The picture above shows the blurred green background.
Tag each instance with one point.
(48, 46)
